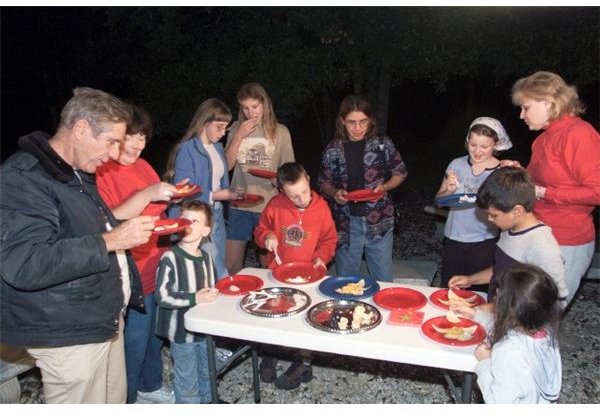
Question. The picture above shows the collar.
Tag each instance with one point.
(36, 144)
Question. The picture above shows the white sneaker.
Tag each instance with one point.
(163, 395)
(222, 354)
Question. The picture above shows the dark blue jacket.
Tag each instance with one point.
(59, 284)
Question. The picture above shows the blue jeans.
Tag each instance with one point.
(241, 224)
(216, 245)
(191, 382)
(377, 250)
(142, 350)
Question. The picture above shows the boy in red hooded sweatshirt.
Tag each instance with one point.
(296, 225)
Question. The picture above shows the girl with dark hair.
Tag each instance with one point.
(521, 362)
(358, 158)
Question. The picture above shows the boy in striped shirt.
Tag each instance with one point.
(186, 277)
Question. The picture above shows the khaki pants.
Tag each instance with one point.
(116, 380)
(85, 373)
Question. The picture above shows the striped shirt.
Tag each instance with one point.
(179, 276)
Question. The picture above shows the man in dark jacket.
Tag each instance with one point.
(65, 273)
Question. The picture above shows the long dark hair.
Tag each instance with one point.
(354, 103)
(527, 301)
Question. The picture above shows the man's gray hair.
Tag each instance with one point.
(95, 106)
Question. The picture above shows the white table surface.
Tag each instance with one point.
(401, 344)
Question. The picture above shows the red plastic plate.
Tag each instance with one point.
(181, 225)
(290, 272)
(443, 295)
(186, 190)
(442, 322)
(248, 201)
(240, 284)
(399, 298)
(267, 174)
(363, 195)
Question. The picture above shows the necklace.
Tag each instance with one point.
(300, 213)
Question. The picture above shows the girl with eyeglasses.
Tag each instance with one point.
(358, 158)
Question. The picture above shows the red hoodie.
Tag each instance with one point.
(303, 235)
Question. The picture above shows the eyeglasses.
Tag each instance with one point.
(354, 123)
(221, 127)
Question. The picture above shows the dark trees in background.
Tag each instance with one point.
(169, 59)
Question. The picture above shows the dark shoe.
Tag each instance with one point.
(268, 369)
(297, 373)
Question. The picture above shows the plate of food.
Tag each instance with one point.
(249, 200)
(298, 272)
(343, 316)
(348, 287)
(267, 174)
(459, 200)
(363, 195)
(186, 190)
(463, 333)
(240, 284)
(444, 297)
(399, 298)
(275, 302)
(170, 226)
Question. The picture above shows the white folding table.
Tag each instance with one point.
(399, 344)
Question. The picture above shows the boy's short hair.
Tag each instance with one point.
(198, 206)
(290, 173)
(506, 188)
(141, 123)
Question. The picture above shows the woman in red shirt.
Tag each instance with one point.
(565, 165)
(131, 187)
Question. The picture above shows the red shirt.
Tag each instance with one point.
(303, 235)
(117, 183)
(565, 159)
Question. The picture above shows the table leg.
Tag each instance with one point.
(467, 388)
(255, 376)
(212, 368)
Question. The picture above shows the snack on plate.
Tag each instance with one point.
(348, 318)
(467, 199)
(454, 298)
(452, 317)
(165, 227)
(456, 333)
(185, 189)
(298, 279)
(234, 288)
(356, 289)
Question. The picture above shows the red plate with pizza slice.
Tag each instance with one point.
(440, 298)
(170, 226)
(464, 333)
(186, 190)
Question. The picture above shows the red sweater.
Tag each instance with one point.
(302, 235)
(116, 183)
(565, 159)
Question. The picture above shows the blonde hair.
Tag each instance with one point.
(210, 110)
(97, 107)
(253, 90)
(544, 85)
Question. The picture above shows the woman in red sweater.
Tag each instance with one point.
(565, 165)
(130, 187)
